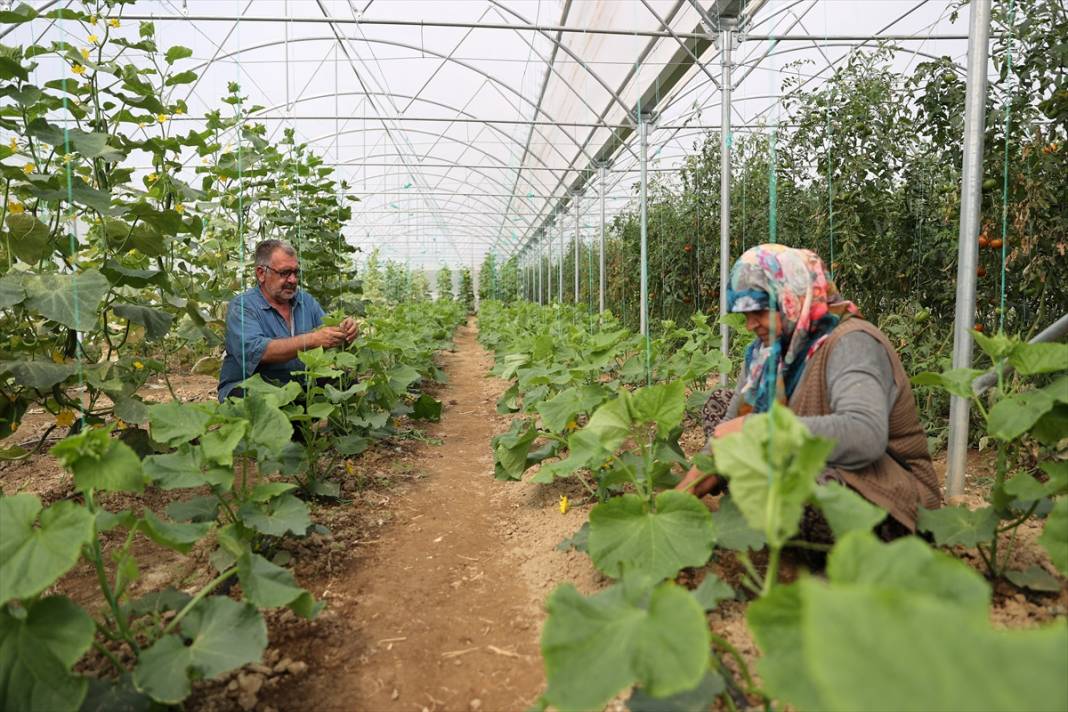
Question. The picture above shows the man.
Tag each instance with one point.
(268, 324)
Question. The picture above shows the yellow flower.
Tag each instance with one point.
(85, 54)
(349, 468)
(564, 504)
(140, 124)
(15, 208)
(57, 356)
(179, 208)
(65, 418)
(151, 178)
(571, 425)
(92, 19)
(120, 424)
(93, 39)
(68, 157)
(162, 118)
(28, 168)
(114, 23)
(138, 365)
(13, 144)
(179, 111)
(78, 69)
(14, 427)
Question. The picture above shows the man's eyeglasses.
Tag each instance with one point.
(284, 273)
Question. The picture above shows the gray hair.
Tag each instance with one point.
(267, 248)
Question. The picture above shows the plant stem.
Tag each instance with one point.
(773, 569)
(197, 598)
(110, 656)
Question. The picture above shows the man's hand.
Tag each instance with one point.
(350, 328)
(329, 336)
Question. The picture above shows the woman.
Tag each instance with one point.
(839, 374)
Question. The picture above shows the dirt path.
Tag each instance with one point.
(443, 612)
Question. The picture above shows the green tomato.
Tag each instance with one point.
(921, 316)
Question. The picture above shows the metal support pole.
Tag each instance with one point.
(540, 250)
(602, 170)
(643, 157)
(560, 266)
(968, 237)
(549, 271)
(726, 39)
(578, 230)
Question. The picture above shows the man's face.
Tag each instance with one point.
(281, 278)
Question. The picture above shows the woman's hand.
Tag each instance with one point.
(729, 427)
(700, 483)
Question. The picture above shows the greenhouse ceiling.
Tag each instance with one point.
(474, 126)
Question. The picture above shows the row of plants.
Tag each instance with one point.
(239, 485)
(107, 270)
(106, 267)
(927, 642)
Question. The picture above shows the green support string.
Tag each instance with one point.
(1005, 168)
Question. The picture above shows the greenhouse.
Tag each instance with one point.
(497, 355)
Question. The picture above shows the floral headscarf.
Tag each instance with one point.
(795, 284)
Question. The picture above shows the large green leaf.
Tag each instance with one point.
(699, 698)
(959, 526)
(218, 445)
(157, 323)
(845, 510)
(185, 468)
(12, 291)
(908, 564)
(90, 145)
(173, 535)
(510, 450)
(772, 466)
(611, 423)
(732, 531)
(663, 404)
(1013, 416)
(957, 381)
(1029, 359)
(917, 608)
(218, 635)
(627, 535)
(270, 586)
(100, 462)
(426, 407)
(177, 52)
(40, 375)
(1055, 535)
(173, 423)
(270, 429)
(598, 646)
(561, 409)
(28, 237)
(38, 647)
(991, 670)
(37, 547)
(277, 517)
(70, 299)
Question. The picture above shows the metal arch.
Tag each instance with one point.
(452, 200)
(442, 176)
(681, 44)
(465, 65)
(395, 94)
(416, 131)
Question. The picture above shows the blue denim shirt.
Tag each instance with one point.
(250, 324)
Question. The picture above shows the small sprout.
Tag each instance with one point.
(114, 22)
(138, 365)
(78, 69)
(93, 39)
(28, 168)
(564, 504)
(14, 207)
(65, 418)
